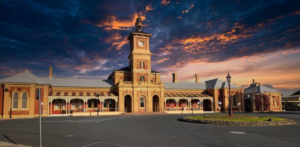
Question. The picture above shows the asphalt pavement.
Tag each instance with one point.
(145, 131)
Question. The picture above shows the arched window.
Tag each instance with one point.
(15, 102)
(142, 102)
(24, 101)
(234, 101)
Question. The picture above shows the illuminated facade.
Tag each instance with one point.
(132, 89)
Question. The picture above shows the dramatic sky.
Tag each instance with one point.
(87, 39)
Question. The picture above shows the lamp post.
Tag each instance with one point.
(230, 100)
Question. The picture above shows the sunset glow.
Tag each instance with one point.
(88, 39)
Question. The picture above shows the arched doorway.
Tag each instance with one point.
(127, 104)
(109, 105)
(77, 105)
(248, 105)
(155, 103)
(207, 105)
(59, 106)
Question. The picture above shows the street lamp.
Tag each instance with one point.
(230, 100)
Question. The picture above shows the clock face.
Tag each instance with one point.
(141, 43)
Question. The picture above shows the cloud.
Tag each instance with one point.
(165, 2)
(112, 22)
(116, 40)
(149, 7)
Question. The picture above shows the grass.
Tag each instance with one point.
(235, 118)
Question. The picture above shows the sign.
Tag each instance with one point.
(219, 103)
(198, 103)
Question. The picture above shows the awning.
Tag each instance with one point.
(295, 98)
(186, 95)
(81, 94)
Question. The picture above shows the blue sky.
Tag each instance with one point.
(87, 39)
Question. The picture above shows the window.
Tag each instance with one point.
(15, 102)
(143, 65)
(234, 101)
(140, 65)
(24, 101)
(104, 103)
(142, 102)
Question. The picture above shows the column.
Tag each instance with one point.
(243, 101)
(32, 99)
(270, 103)
(215, 100)
(253, 100)
(45, 100)
(262, 103)
(6, 103)
(121, 103)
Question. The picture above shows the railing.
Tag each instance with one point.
(126, 82)
(181, 109)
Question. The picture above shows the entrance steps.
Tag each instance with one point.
(144, 113)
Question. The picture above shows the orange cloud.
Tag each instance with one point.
(149, 7)
(163, 60)
(164, 2)
(192, 6)
(116, 40)
(113, 23)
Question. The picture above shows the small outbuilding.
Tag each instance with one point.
(259, 98)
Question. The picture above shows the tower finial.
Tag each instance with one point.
(139, 22)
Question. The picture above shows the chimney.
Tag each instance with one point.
(50, 72)
(254, 81)
(174, 77)
(197, 78)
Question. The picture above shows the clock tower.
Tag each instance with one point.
(140, 55)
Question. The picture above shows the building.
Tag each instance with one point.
(292, 102)
(259, 98)
(133, 89)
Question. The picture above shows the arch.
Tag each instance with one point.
(194, 103)
(155, 103)
(24, 100)
(93, 104)
(59, 106)
(183, 103)
(207, 105)
(128, 103)
(76, 105)
(109, 104)
(15, 100)
(171, 103)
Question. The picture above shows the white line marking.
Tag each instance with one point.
(104, 143)
(237, 132)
